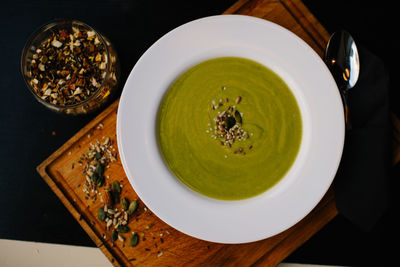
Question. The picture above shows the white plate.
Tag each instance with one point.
(306, 182)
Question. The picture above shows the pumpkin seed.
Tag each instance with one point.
(94, 177)
(133, 241)
(115, 197)
(125, 203)
(99, 168)
(97, 155)
(230, 122)
(116, 191)
(123, 229)
(238, 117)
(132, 207)
(101, 214)
(114, 235)
(116, 187)
(97, 176)
(101, 181)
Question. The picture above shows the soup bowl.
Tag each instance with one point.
(303, 185)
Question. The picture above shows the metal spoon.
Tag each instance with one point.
(341, 57)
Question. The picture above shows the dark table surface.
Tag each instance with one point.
(29, 133)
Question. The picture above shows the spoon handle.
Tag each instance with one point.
(346, 110)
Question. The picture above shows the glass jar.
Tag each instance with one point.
(70, 67)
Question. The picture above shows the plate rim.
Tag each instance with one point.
(119, 140)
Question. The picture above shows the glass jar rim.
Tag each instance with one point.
(48, 26)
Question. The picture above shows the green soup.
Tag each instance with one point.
(229, 128)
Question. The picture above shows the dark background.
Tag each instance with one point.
(31, 211)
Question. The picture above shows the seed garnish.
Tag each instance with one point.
(228, 125)
(238, 99)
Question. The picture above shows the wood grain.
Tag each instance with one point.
(161, 245)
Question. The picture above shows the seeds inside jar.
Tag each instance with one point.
(69, 66)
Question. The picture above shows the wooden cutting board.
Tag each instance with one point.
(159, 244)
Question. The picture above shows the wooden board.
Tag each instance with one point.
(161, 245)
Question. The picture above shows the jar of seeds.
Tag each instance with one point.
(70, 67)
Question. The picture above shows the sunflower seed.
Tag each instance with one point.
(238, 99)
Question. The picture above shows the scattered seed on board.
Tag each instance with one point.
(133, 241)
(121, 238)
